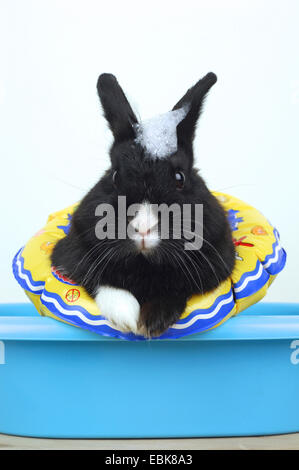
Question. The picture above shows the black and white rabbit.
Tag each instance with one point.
(141, 283)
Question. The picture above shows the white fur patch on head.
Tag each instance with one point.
(158, 135)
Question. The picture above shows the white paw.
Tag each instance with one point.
(119, 306)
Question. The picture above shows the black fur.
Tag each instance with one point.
(162, 281)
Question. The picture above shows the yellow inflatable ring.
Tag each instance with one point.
(259, 258)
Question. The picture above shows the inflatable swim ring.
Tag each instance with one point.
(259, 258)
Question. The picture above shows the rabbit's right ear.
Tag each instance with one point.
(117, 109)
(192, 101)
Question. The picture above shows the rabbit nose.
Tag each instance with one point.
(143, 231)
(145, 221)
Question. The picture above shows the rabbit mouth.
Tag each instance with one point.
(146, 242)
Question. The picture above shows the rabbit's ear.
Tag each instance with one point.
(117, 109)
(193, 102)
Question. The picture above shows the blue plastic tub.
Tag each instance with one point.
(240, 379)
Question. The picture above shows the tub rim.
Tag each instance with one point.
(263, 321)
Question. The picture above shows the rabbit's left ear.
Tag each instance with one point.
(193, 102)
(117, 109)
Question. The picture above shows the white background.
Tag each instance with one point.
(54, 140)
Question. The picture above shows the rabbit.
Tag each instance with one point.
(142, 283)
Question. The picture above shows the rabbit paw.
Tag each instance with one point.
(120, 307)
(157, 316)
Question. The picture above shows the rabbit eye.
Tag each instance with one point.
(115, 177)
(179, 179)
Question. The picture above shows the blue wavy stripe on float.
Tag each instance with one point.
(275, 261)
(24, 277)
(210, 312)
(251, 282)
(56, 300)
(78, 316)
(197, 324)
